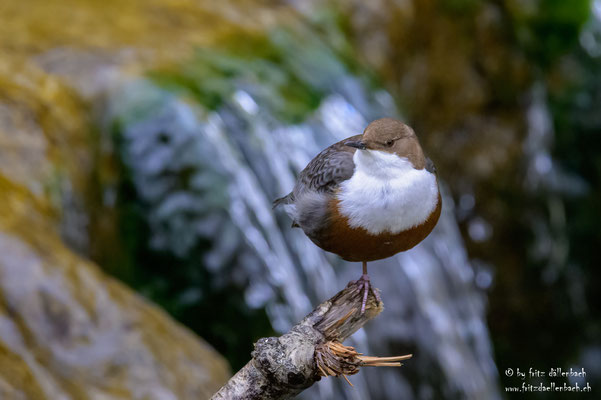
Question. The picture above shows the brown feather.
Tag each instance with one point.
(356, 244)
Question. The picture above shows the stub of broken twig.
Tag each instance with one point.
(335, 359)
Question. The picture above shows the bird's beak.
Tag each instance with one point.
(359, 144)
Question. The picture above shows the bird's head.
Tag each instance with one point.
(391, 136)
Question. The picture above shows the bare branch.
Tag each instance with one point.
(282, 367)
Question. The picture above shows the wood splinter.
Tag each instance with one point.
(335, 359)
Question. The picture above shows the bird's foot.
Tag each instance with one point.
(364, 284)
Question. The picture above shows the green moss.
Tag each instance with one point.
(286, 70)
(551, 29)
(460, 7)
(212, 77)
(17, 376)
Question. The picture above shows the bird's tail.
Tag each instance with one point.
(288, 203)
(283, 200)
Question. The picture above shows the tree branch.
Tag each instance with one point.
(282, 367)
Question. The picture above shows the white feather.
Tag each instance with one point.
(386, 193)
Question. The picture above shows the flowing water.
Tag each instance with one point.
(240, 157)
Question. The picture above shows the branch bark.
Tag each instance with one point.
(282, 367)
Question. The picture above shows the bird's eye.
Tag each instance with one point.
(389, 143)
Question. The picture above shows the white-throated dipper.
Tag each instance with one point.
(367, 197)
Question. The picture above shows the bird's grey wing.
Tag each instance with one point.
(316, 185)
(328, 169)
(307, 202)
(325, 172)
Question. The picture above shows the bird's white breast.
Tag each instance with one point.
(386, 194)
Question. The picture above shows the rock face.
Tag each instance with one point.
(67, 330)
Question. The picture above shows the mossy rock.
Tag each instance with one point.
(69, 331)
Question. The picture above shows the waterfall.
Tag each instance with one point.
(237, 159)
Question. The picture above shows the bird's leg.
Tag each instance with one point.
(364, 284)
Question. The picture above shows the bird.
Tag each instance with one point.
(367, 197)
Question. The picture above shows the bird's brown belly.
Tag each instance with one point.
(357, 244)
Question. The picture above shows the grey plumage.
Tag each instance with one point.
(326, 171)
(323, 174)
(430, 166)
(311, 213)
(308, 201)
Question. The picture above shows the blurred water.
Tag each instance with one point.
(236, 160)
